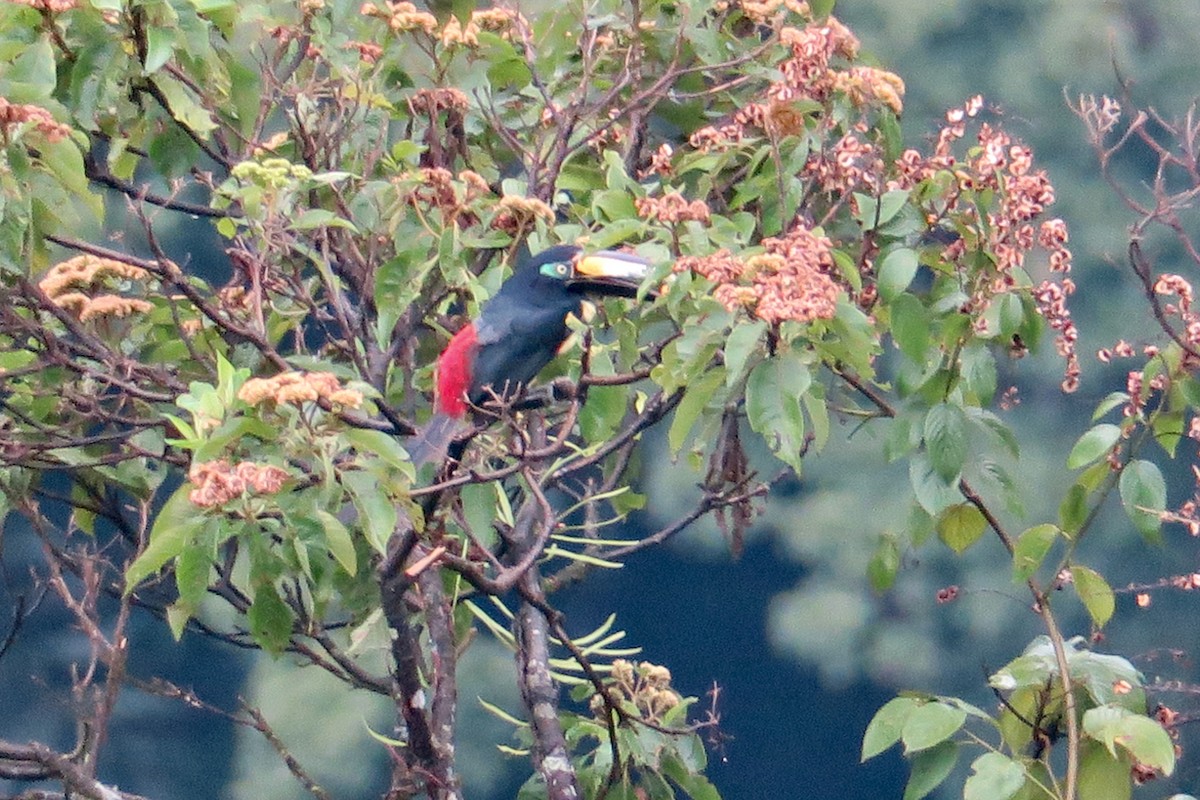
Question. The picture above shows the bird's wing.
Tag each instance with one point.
(514, 344)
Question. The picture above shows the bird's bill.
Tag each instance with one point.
(610, 272)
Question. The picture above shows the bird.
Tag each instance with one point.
(517, 333)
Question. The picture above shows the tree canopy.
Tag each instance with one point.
(234, 238)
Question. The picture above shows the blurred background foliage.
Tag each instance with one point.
(801, 648)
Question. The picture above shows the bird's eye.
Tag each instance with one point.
(561, 269)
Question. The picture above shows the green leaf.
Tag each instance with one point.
(695, 785)
(320, 218)
(1168, 429)
(177, 523)
(1094, 444)
(479, 508)
(996, 777)
(1031, 549)
(932, 493)
(184, 107)
(930, 724)
(946, 439)
(978, 367)
(929, 769)
(602, 412)
(387, 448)
(884, 564)
(910, 327)
(32, 75)
(896, 271)
(699, 394)
(1073, 510)
(192, 568)
(64, 159)
(377, 513)
(873, 213)
(160, 46)
(338, 540)
(821, 8)
(1101, 775)
(270, 619)
(1141, 736)
(1111, 401)
(1109, 679)
(960, 526)
(742, 342)
(1144, 495)
(774, 407)
(818, 417)
(885, 727)
(1095, 593)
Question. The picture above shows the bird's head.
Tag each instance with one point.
(603, 273)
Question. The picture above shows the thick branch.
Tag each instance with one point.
(35, 761)
(538, 691)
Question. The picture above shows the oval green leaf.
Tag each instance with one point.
(1031, 549)
(930, 724)
(996, 777)
(1095, 594)
(1093, 445)
(960, 526)
(1144, 495)
(946, 439)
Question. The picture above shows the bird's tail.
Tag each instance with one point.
(432, 443)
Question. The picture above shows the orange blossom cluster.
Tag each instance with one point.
(790, 281)
(218, 482)
(405, 16)
(299, 387)
(808, 73)
(14, 114)
(63, 281)
(1022, 194)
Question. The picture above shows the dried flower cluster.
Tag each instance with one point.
(105, 305)
(849, 165)
(218, 482)
(367, 51)
(947, 594)
(764, 12)
(790, 281)
(62, 284)
(15, 114)
(1100, 116)
(515, 215)
(808, 73)
(1004, 167)
(435, 101)
(85, 271)
(401, 16)
(1170, 285)
(647, 687)
(672, 208)
(1051, 301)
(660, 162)
(53, 6)
(867, 86)
(404, 17)
(1138, 393)
(495, 20)
(1122, 349)
(1188, 514)
(436, 188)
(299, 387)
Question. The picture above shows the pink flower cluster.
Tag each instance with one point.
(790, 281)
(218, 482)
